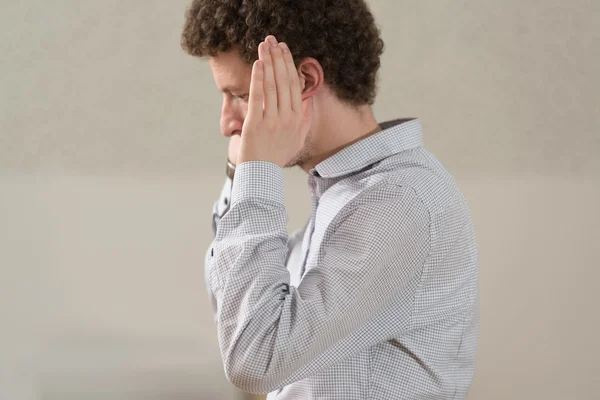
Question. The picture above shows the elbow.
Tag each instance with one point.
(243, 377)
(248, 375)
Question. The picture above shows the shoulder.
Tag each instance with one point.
(413, 182)
(381, 209)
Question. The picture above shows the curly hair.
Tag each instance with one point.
(340, 34)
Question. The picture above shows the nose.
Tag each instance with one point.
(232, 119)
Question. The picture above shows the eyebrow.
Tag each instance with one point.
(231, 89)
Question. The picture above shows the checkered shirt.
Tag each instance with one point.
(375, 298)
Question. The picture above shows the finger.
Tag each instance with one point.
(295, 91)
(255, 100)
(281, 79)
(269, 86)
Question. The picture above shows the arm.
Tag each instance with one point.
(271, 333)
(220, 207)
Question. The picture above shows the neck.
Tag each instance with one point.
(343, 126)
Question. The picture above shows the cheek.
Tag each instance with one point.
(238, 110)
(243, 109)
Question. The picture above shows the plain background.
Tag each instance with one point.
(111, 158)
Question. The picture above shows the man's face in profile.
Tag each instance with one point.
(232, 77)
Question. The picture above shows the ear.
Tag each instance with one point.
(311, 77)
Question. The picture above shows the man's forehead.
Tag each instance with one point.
(230, 71)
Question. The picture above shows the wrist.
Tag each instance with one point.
(258, 180)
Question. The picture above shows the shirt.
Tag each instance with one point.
(375, 298)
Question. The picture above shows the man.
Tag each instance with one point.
(376, 298)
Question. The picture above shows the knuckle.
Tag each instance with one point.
(272, 126)
(286, 119)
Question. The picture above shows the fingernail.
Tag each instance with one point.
(272, 41)
(284, 47)
(265, 48)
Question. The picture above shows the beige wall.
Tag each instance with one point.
(110, 158)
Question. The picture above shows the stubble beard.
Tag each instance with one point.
(303, 155)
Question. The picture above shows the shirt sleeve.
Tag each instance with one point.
(271, 333)
(220, 207)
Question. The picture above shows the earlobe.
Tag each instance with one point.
(310, 91)
(307, 108)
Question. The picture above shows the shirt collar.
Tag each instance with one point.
(395, 136)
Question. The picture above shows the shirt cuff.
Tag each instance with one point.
(258, 180)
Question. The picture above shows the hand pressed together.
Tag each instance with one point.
(278, 119)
